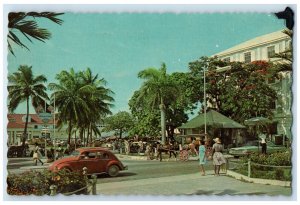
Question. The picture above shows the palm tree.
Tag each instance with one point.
(286, 57)
(23, 86)
(69, 99)
(100, 100)
(21, 22)
(158, 88)
(80, 103)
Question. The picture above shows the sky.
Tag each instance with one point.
(217, 34)
(116, 46)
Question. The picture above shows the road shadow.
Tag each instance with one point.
(225, 192)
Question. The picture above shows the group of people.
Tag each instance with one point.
(51, 155)
(217, 156)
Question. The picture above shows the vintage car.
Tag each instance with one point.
(252, 147)
(97, 160)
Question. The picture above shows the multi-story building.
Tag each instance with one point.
(263, 48)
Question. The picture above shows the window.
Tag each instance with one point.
(227, 60)
(273, 105)
(247, 57)
(12, 120)
(36, 126)
(271, 51)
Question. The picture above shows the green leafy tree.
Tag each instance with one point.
(23, 86)
(146, 119)
(240, 91)
(25, 23)
(158, 87)
(247, 92)
(213, 79)
(120, 122)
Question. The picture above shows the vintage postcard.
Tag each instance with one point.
(170, 102)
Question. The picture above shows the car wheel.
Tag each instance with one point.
(113, 170)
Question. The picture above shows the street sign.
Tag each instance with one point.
(45, 116)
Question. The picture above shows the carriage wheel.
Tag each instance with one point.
(183, 155)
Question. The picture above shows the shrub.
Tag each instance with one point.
(275, 159)
(39, 182)
(279, 174)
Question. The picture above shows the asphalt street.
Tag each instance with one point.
(169, 178)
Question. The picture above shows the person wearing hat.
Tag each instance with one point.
(218, 157)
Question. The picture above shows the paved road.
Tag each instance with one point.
(170, 179)
(179, 178)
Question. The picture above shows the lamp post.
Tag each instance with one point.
(45, 133)
(204, 100)
(54, 123)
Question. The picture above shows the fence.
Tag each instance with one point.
(90, 187)
(235, 165)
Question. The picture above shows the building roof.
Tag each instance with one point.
(213, 118)
(15, 120)
(255, 42)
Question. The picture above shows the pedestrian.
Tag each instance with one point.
(263, 146)
(217, 155)
(171, 150)
(159, 151)
(59, 152)
(68, 149)
(37, 155)
(148, 151)
(141, 146)
(202, 157)
(127, 147)
(192, 147)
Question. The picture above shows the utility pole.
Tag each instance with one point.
(204, 101)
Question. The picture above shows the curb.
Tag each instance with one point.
(257, 180)
(144, 158)
(45, 166)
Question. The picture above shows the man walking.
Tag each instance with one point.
(159, 151)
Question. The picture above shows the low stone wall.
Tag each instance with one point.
(257, 180)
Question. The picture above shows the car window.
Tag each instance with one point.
(102, 155)
(75, 153)
(92, 155)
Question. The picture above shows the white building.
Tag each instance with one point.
(262, 48)
(35, 128)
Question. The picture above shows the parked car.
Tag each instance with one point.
(97, 160)
(252, 147)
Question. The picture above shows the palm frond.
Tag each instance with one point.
(49, 15)
(29, 28)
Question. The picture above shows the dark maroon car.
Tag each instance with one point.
(97, 160)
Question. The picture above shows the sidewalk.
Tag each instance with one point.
(189, 184)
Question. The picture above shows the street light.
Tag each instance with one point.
(204, 100)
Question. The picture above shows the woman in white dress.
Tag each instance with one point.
(218, 157)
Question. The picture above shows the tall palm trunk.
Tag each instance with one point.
(162, 108)
(120, 134)
(24, 138)
(91, 133)
(87, 135)
(70, 132)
